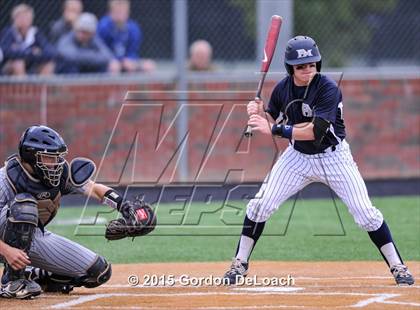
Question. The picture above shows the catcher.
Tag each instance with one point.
(31, 185)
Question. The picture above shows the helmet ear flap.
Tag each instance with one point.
(22, 139)
(289, 68)
(318, 66)
(24, 154)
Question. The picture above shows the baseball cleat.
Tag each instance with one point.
(238, 270)
(18, 288)
(401, 275)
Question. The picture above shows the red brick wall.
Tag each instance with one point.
(137, 141)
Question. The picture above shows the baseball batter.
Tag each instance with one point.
(31, 185)
(306, 108)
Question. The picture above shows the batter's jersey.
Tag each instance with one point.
(323, 99)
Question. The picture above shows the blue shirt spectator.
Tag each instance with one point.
(125, 41)
(25, 48)
(123, 36)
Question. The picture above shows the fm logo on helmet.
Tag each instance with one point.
(304, 53)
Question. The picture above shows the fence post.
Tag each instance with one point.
(266, 9)
(43, 104)
(180, 36)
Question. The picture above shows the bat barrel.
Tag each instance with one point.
(270, 46)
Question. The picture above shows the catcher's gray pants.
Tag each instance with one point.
(337, 169)
(55, 253)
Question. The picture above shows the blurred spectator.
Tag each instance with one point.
(82, 51)
(201, 54)
(71, 12)
(25, 48)
(123, 36)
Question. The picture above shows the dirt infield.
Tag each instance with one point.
(366, 285)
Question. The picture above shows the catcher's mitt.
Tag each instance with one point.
(138, 219)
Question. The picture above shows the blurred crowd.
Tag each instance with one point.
(75, 43)
(79, 43)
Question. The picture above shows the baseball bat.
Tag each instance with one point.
(269, 48)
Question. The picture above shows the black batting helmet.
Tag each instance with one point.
(44, 150)
(301, 50)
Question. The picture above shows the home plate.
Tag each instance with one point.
(270, 289)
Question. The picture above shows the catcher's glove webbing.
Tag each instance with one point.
(138, 219)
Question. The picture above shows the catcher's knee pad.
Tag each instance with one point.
(21, 222)
(99, 273)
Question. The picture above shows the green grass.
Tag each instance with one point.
(314, 232)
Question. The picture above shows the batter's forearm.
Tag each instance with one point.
(303, 132)
(298, 132)
(270, 119)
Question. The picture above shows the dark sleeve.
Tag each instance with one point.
(6, 191)
(103, 52)
(97, 55)
(133, 45)
(56, 31)
(327, 102)
(103, 31)
(274, 105)
(47, 53)
(6, 44)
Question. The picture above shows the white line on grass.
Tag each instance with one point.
(77, 221)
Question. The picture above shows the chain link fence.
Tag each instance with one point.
(349, 33)
(229, 25)
(362, 32)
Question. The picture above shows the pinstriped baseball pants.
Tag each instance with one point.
(294, 170)
(54, 253)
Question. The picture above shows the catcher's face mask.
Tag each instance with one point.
(49, 167)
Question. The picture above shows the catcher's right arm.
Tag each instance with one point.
(138, 218)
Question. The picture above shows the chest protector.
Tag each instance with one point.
(48, 198)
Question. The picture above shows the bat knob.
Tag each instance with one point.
(248, 132)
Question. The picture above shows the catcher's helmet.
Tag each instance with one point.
(301, 50)
(44, 150)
